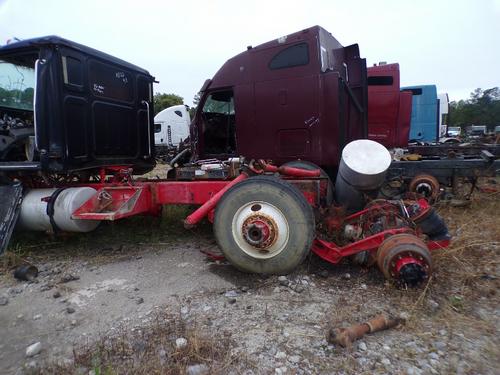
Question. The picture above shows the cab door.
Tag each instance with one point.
(75, 106)
(286, 92)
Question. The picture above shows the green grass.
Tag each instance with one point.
(112, 239)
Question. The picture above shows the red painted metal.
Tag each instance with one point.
(186, 192)
(294, 112)
(116, 202)
(209, 205)
(154, 194)
(262, 226)
(334, 222)
(298, 172)
(389, 109)
(332, 253)
(400, 263)
(213, 256)
(262, 166)
(436, 245)
(119, 198)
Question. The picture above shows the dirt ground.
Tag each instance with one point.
(139, 296)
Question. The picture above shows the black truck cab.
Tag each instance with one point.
(65, 107)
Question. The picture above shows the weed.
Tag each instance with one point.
(150, 350)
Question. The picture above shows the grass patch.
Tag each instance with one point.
(150, 350)
(110, 240)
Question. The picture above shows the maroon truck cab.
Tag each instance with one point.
(389, 108)
(301, 96)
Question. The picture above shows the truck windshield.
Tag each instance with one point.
(17, 86)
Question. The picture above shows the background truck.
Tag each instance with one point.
(444, 105)
(424, 113)
(454, 131)
(171, 127)
(389, 108)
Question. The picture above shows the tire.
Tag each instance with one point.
(277, 207)
(307, 165)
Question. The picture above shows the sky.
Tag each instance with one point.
(454, 44)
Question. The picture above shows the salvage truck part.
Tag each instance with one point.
(345, 337)
(362, 170)
(404, 257)
(264, 225)
(51, 210)
(302, 164)
(10, 205)
(299, 98)
(447, 171)
(85, 109)
(426, 185)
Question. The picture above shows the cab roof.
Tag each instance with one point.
(54, 40)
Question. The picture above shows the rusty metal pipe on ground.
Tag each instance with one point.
(346, 336)
(209, 205)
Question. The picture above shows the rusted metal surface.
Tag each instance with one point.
(426, 185)
(363, 232)
(384, 231)
(260, 231)
(345, 337)
(404, 258)
(314, 190)
(444, 169)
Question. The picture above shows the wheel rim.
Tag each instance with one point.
(260, 229)
(405, 259)
(425, 185)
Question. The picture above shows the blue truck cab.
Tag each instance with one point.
(424, 125)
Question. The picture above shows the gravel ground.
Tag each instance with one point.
(276, 324)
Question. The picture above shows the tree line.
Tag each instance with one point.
(482, 108)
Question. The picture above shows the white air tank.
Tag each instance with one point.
(33, 215)
(362, 169)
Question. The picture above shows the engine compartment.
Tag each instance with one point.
(16, 135)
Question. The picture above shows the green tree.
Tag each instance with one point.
(162, 101)
(196, 101)
(482, 108)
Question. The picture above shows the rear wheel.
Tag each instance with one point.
(264, 225)
(404, 259)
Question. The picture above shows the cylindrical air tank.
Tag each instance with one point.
(33, 215)
(362, 168)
